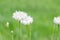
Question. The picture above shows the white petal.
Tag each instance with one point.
(27, 21)
(57, 20)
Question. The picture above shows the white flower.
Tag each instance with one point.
(28, 20)
(19, 15)
(22, 17)
(57, 20)
(7, 24)
(12, 31)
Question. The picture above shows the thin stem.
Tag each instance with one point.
(58, 31)
(54, 34)
(28, 32)
(19, 30)
(57, 35)
(12, 36)
(58, 27)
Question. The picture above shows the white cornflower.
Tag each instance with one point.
(19, 15)
(57, 20)
(28, 20)
(7, 24)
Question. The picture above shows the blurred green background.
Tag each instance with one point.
(43, 12)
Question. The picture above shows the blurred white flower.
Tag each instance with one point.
(28, 20)
(22, 17)
(19, 15)
(7, 24)
(57, 20)
(12, 31)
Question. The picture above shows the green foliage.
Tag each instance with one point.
(43, 12)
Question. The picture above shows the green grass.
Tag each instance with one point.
(43, 12)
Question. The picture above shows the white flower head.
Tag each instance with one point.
(28, 20)
(12, 31)
(57, 20)
(19, 15)
(7, 24)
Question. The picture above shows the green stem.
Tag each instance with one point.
(57, 34)
(54, 34)
(58, 27)
(19, 31)
(58, 31)
(12, 36)
(28, 32)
